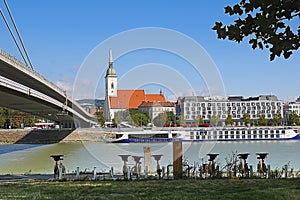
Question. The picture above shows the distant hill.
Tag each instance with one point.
(99, 103)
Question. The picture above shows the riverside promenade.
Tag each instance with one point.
(49, 136)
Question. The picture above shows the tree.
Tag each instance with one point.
(2, 117)
(160, 120)
(101, 119)
(199, 120)
(139, 118)
(262, 120)
(180, 120)
(170, 117)
(229, 120)
(277, 119)
(246, 119)
(267, 23)
(293, 119)
(214, 120)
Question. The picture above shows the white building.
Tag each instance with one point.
(156, 108)
(193, 106)
(294, 107)
(111, 86)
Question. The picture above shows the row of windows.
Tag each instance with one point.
(244, 134)
(233, 108)
(233, 112)
(273, 103)
(192, 117)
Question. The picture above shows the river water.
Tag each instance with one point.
(23, 158)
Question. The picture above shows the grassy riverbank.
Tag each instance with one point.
(155, 189)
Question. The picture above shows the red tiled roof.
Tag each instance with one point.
(155, 98)
(131, 99)
(157, 104)
(127, 99)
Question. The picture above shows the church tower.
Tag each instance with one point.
(111, 86)
(111, 80)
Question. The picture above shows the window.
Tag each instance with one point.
(249, 134)
(112, 85)
(231, 134)
(254, 134)
(237, 134)
(272, 133)
(260, 134)
(243, 134)
(277, 134)
(220, 135)
(266, 133)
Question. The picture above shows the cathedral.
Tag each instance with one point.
(121, 100)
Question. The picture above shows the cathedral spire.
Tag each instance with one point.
(110, 71)
(110, 56)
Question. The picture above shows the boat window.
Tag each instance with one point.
(192, 134)
(254, 134)
(266, 133)
(118, 136)
(283, 131)
(243, 134)
(277, 134)
(237, 134)
(215, 134)
(220, 135)
(272, 133)
(260, 134)
(249, 134)
(226, 134)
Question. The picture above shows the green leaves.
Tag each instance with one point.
(265, 22)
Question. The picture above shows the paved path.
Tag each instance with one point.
(16, 178)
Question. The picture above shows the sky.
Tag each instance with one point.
(62, 37)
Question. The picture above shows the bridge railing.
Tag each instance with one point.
(26, 90)
(19, 63)
(52, 85)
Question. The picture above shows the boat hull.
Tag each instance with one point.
(166, 140)
(208, 135)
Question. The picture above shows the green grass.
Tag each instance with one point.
(155, 189)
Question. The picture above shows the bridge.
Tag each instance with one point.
(23, 89)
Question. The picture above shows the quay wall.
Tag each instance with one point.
(49, 136)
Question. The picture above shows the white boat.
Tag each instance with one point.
(205, 134)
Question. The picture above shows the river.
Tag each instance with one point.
(25, 158)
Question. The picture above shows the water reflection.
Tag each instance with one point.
(19, 159)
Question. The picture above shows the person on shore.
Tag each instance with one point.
(56, 170)
(63, 169)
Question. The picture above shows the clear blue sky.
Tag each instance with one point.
(60, 34)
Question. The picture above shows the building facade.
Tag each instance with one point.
(156, 108)
(121, 100)
(192, 107)
(294, 107)
(111, 87)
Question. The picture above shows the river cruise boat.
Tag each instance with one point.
(203, 134)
